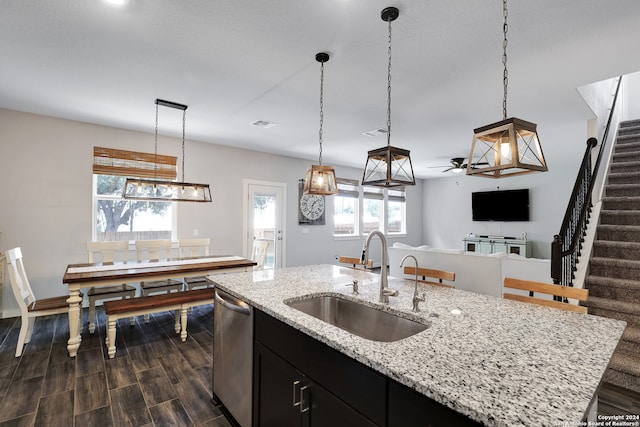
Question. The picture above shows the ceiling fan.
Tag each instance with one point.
(458, 165)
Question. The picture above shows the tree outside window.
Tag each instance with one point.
(119, 219)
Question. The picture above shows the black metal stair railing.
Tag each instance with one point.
(567, 244)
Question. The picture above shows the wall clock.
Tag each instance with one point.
(311, 208)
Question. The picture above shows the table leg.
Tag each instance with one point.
(183, 323)
(74, 301)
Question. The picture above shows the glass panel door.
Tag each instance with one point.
(265, 236)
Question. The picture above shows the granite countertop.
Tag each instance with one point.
(499, 362)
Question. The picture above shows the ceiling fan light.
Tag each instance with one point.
(457, 170)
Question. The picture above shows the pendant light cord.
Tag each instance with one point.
(184, 121)
(389, 89)
(505, 73)
(155, 152)
(321, 110)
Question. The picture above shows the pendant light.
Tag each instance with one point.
(388, 166)
(320, 180)
(509, 147)
(160, 190)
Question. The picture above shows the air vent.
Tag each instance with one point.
(265, 124)
(375, 132)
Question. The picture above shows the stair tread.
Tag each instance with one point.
(622, 227)
(613, 305)
(629, 263)
(612, 282)
(624, 362)
(632, 334)
(625, 185)
(620, 212)
(617, 243)
(620, 198)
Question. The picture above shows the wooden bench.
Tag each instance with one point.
(440, 275)
(178, 301)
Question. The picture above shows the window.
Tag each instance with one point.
(396, 212)
(374, 208)
(345, 217)
(117, 219)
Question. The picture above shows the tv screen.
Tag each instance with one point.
(505, 205)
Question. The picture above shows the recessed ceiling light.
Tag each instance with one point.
(117, 2)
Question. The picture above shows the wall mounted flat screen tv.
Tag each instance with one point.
(505, 205)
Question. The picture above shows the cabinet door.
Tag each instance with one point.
(322, 408)
(409, 408)
(273, 390)
(484, 247)
(499, 247)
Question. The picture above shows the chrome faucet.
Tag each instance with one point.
(416, 299)
(385, 291)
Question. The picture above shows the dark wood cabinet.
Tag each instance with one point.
(300, 381)
(409, 408)
(284, 396)
(273, 380)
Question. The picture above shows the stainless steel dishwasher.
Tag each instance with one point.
(233, 355)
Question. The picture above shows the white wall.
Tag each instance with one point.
(632, 106)
(46, 201)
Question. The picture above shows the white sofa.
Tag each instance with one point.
(479, 273)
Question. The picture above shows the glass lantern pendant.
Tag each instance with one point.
(509, 147)
(320, 180)
(388, 166)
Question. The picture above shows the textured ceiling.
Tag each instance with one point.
(235, 62)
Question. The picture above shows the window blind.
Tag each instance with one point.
(371, 192)
(396, 194)
(348, 187)
(109, 161)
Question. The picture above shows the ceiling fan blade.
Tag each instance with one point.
(448, 169)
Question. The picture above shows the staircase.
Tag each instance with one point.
(614, 268)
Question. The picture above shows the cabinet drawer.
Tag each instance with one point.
(357, 385)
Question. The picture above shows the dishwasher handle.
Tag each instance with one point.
(242, 309)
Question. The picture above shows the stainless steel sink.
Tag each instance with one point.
(357, 318)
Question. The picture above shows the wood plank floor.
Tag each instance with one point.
(154, 380)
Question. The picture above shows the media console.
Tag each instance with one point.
(494, 244)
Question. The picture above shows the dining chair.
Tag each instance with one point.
(107, 252)
(549, 289)
(428, 275)
(193, 248)
(259, 253)
(30, 307)
(355, 262)
(153, 250)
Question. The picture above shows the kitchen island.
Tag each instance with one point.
(496, 362)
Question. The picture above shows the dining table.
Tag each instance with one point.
(87, 275)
